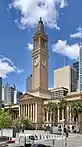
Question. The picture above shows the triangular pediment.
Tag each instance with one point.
(26, 96)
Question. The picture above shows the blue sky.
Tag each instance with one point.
(18, 19)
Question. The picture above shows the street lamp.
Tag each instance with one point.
(62, 121)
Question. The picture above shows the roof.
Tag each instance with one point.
(32, 96)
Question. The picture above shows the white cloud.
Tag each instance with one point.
(31, 10)
(30, 46)
(78, 34)
(72, 51)
(7, 66)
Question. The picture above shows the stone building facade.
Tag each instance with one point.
(33, 105)
(74, 123)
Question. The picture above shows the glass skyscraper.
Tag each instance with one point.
(29, 83)
(76, 66)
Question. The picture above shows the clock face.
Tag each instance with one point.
(36, 62)
(44, 63)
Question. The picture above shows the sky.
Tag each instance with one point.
(18, 19)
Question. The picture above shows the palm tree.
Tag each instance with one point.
(52, 108)
(62, 105)
(77, 112)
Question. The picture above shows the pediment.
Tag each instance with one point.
(27, 96)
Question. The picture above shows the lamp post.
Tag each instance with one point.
(62, 121)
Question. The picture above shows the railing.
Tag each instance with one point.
(39, 138)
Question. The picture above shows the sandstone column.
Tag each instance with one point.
(67, 114)
(58, 115)
(50, 118)
(36, 112)
(24, 110)
(47, 116)
(19, 110)
(70, 115)
(28, 111)
(62, 113)
(33, 113)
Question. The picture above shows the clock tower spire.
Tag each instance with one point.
(40, 59)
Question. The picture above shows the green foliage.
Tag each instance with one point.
(5, 119)
(62, 104)
(52, 107)
(22, 122)
(76, 107)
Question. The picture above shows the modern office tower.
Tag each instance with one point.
(7, 94)
(10, 95)
(17, 95)
(2, 93)
(58, 93)
(65, 77)
(0, 81)
(29, 83)
(0, 89)
(76, 66)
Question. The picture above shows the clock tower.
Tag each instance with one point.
(40, 59)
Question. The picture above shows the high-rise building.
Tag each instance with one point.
(17, 95)
(65, 77)
(10, 95)
(3, 93)
(29, 83)
(76, 66)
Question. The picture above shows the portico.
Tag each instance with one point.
(32, 108)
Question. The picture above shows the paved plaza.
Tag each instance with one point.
(74, 140)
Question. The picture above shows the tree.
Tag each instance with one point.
(62, 104)
(76, 107)
(52, 107)
(5, 119)
(22, 122)
(77, 112)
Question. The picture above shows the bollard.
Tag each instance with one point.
(53, 143)
(65, 141)
(40, 136)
